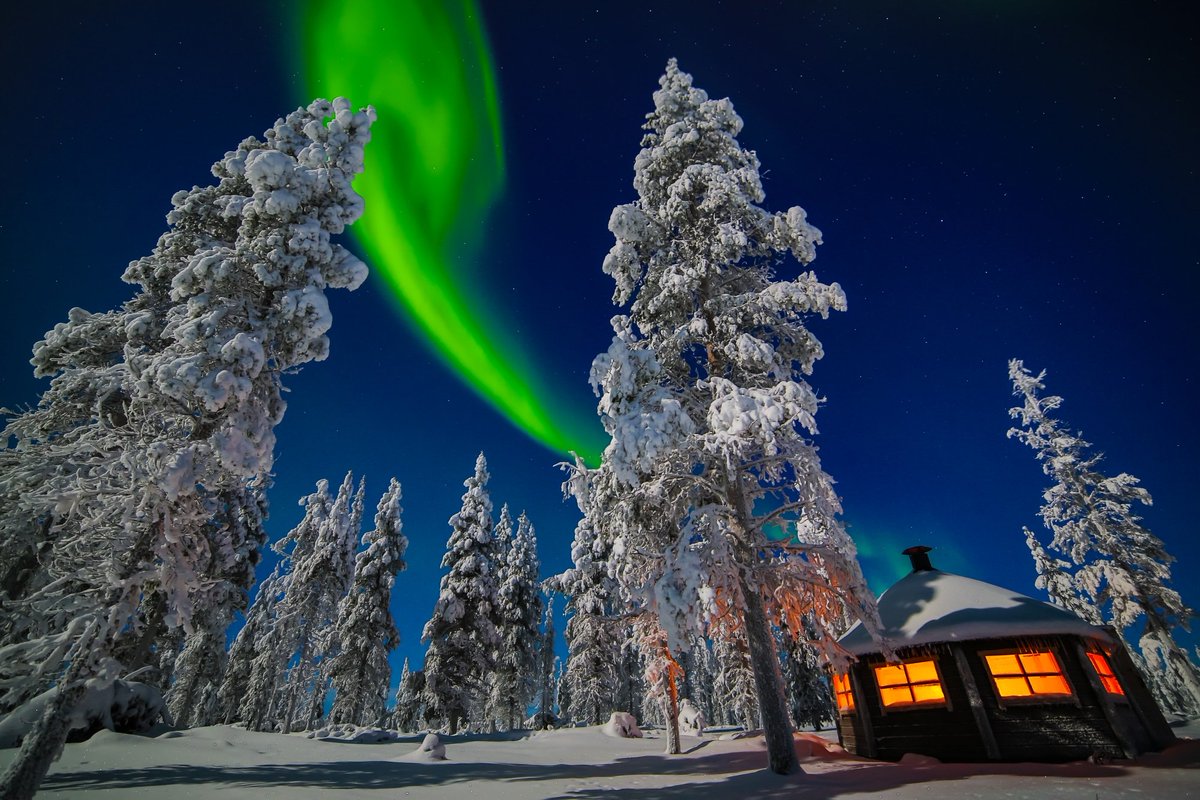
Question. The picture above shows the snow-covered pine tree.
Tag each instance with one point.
(1121, 568)
(461, 633)
(406, 711)
(494, 708)
(809, 695)
(275, 641)
(321, 578)
(733, 681)
(240, 663)
(594, 636)
(366, 630)
(545, 668)
(520, 610)
(1055, 578)
(703, 390)
(232, 297)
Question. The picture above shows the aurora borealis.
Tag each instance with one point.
(437, 166)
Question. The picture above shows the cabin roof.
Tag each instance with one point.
(931, 606)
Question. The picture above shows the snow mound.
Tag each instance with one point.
(811, 745)
(691, 718)
(353, 734)
(121, 706)
(622, 725)
(431, 749)
(918, 760)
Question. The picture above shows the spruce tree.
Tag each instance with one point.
(594, 635)
(704, 394)
(461, 633)
(1119, 567)
(182, 390)
(360, 672)
(321, 578)
(520, 610)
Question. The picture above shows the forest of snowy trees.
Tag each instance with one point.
(711, 574)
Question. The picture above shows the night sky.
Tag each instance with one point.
(993, 180)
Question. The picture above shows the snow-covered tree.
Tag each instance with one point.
(703, 392)
(520, 610)
(236, 680)
(733, 680)
(181, 395)
(367, 632)
(545, 668)
(496, 706)
(461, 633)
(309, 607)
(1119, 568)
(277, 629)
(594, 635)
(809, 696)
(407, 709)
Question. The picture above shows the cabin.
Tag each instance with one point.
(988, 674)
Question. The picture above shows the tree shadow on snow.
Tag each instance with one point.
(852, 778)
(744, 770)
(393, 774)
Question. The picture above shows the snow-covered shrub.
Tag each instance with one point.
(121, 706)
(622, 725)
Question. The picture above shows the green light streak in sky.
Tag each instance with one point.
(435, 166)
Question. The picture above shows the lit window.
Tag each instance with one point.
(841, 690)
(909, 683)
(1105, 671)
(1027, 675)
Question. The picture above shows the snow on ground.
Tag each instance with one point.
(578, 763)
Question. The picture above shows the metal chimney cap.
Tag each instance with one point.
(917, 554)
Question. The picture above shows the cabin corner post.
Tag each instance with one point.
(990, 745)
(1115, 721)
(867, 748)
(1140, 700)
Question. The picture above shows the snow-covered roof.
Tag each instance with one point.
(934, 606)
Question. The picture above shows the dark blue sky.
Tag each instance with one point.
(993, 180)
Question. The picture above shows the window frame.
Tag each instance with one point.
(852, 707)
(916, 705)
(1072, 698)
(1120, 694)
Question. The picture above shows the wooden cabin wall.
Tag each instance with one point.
(945, 732)
(1024, 731)
(1038, 731)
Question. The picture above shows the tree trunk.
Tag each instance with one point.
(772, 702)
(671, 710)
(452, 725)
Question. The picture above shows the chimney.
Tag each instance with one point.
(920, 558)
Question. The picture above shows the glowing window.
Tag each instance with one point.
(1027, 675)
(841, 690)
(1104, 669)
(910, 683)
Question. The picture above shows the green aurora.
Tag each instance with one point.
(435, 167)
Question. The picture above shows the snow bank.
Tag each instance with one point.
(122, 706)
(622, 725)
(354, 734)
(431, 749)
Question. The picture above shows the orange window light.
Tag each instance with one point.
(909, 684)
(1027, 674)
(1104, 669)
(841, 690)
